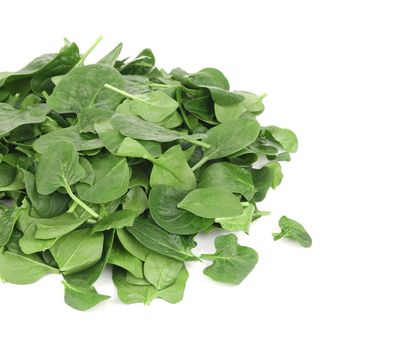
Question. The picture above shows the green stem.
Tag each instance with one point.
(80, 203)
(161, 85)
(2, 249)
(200, 163)
(92, 47)
(121, 92)
(196, 142)
(73, 207)
(263, 95)
(207, 256)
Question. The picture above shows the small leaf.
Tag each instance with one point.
(293, 230)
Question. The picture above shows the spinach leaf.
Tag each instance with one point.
(59, 167)
(231, 261)
(211, 203)
(90, 275)
(22, 269)
(83, 88)
(122, 258)
(161, 271)
(163, 203)
(116, 220)
(172, 169)
(162, 242)
(240, 222)
(229, 177)
(111, 58)
(111, 179)
(8, 218)
(285, 137)
(132, 245)
(82, 298)
(135, 201)
(11, 118)
(78, 250)
(139, 129)
(293, 230)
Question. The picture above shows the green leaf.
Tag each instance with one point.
(161, 271)
(285, 137)
(163, 202)
(211, 203)
(22, 269)
(8, 218)
(230, 177)
(7, 174)
(116, 220)
(293, 230)
(171, 169)
(139, 129)
(122, 258)
(162, 242)
(135, 201)
(227, 113)
(230, 137)
(78, 250)
(81, 142)
(240, 222)
(90, 275)
(46, 206)
(152, 106)
(83, 88)
(82, 298)
(132, 245)
(61, 64)
(111, 58)
(111, 179)
(231, 262)
(58, 167)
(11, 118)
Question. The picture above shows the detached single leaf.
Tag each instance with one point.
(231, 262)
(293, 230)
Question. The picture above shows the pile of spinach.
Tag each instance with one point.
(122, 164)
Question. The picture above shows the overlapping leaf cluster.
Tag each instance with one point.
(121, 163)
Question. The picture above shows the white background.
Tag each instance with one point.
(336, 72)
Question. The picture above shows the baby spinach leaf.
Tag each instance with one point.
(230, 112)
(141, 65)
(163, 202)
(139, 129)
(122, 258)
(174, 293)
(11, 118)
(231, 261)
(285, 137)
(211, 203)
(7, 174)
(82, 298)
(293, 230)
(268, 176)
(230, 177)
(90, 275)
(132, 245)
(111, 58)
(111, 179)
(135, 201)
(78, 250)
(62, 63)
(153, 106)
(82, 142)
(172, 169)
(22, 269)
(162, 242)
(8, 218)
(46, 206)
(161, 271)
(240, 222)
(116, 220)
(130, 293)
(231, 136)
(83, 88)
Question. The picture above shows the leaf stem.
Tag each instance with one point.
(72, 207)
(91, 48)
(207, 256)
(80, 203)
(121, 92)
(200, 163)
(263, 95)
(196, 142)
